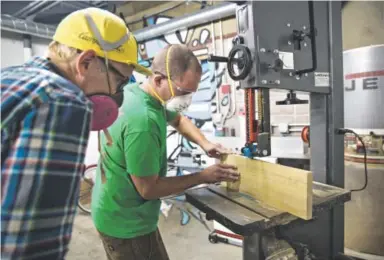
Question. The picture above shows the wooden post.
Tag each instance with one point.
(232, 186)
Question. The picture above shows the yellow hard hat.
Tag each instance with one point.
(102, 31)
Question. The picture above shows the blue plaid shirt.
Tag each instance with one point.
(45, 124)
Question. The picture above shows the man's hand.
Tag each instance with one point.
(155, 187)
(187, 129)
(219, 172)
(215, 150)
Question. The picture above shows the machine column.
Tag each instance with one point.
(336, 120)
(252, 247)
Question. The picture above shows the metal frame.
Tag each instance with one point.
(266, 44)
(324, 235)
(252, 248)
(335, 142)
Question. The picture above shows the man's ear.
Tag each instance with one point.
(84, 60)
(157, 80)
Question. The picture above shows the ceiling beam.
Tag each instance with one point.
(49, 6)
(150, 12)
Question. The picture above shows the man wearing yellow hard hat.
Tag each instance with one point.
(48, 107)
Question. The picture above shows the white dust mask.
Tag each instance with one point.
(179, 103)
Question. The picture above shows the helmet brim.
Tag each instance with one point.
(140, 69)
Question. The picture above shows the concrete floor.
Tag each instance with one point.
(182, 242)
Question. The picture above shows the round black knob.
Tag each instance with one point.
(240, 56)
(238, 40)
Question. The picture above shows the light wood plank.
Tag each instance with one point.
(285, 188)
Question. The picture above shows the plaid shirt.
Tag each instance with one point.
(45, 124)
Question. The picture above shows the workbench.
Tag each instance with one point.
(249, 218)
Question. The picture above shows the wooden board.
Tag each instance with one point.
(285, 188)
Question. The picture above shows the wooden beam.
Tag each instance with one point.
(285, 188)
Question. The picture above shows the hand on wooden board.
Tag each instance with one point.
(215, 150)
(231, 185)
(219, 172)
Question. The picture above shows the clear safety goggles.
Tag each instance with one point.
(179, 90)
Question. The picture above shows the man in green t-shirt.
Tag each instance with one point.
(131, 176)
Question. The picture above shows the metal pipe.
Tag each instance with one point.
(9, 23)
(76, 5)
(203, 16)
(102, 4)
(32, 10)
(49, 6)
(26, 8)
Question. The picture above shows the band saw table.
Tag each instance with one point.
(249, 218)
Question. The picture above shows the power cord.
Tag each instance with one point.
(346, 131)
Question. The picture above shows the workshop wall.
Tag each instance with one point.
(363, 24)
(39, 45)
(12, 48)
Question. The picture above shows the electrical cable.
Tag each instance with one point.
(175, 149)
(345, 131)
(173, 152)
(171, 133)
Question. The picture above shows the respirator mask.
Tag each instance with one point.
(179, 103)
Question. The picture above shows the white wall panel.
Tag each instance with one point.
(11, 49)
(39, 46)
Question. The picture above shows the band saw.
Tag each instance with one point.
(291, 46)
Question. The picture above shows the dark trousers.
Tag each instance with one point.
(147, 247)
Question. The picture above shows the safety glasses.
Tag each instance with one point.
(179, 91)
(121, 79)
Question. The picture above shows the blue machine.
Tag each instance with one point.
(249, 151)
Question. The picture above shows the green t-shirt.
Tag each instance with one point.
(139, 148)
